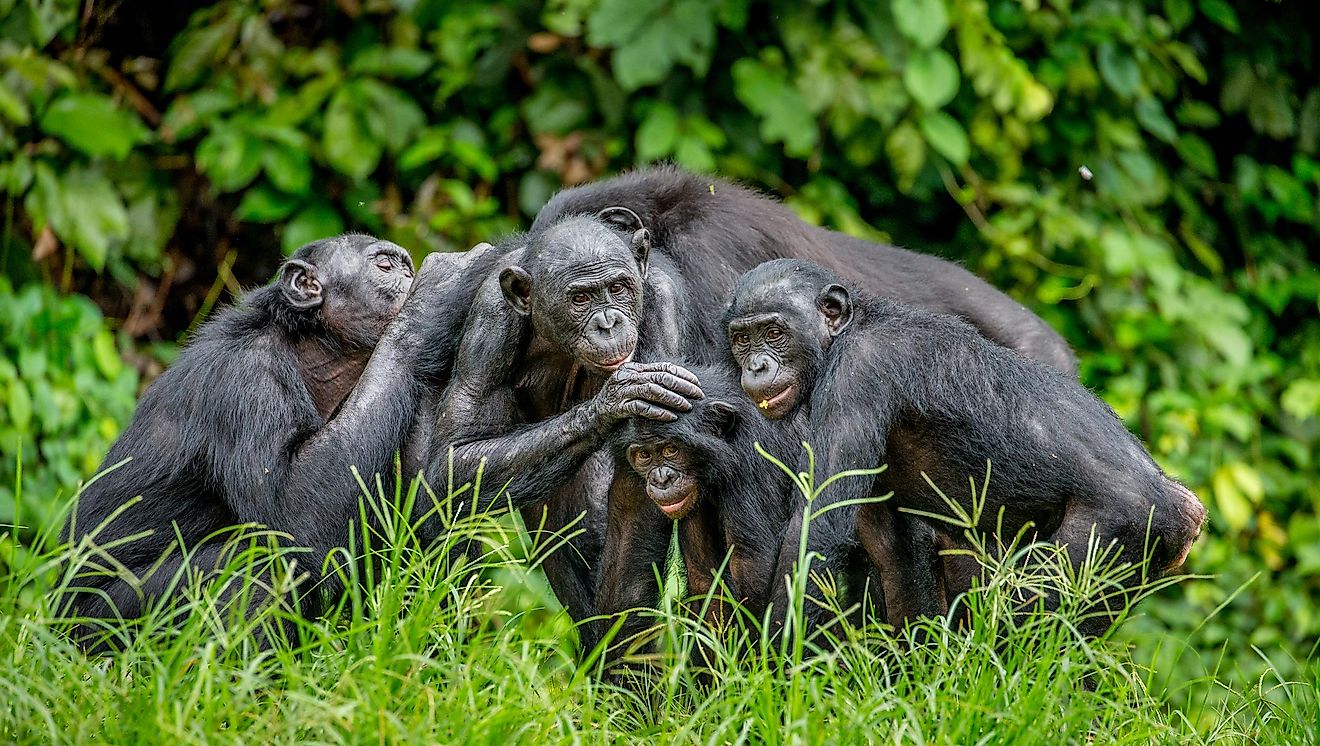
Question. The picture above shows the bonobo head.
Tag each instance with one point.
(677, 460)
(354, 285)
(783, 317)
(581, 283)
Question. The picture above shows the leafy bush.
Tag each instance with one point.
(1144, 175)
(67, 393)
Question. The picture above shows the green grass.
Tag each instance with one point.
(429, 651)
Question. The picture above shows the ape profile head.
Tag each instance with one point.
(581, 282)
(353, 284)
(783, 317)
(676, 459)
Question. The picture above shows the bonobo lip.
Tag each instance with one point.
(678, 506)
(613, 365)
(773, 406)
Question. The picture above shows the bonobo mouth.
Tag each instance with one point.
(674, 503)
(776, 405)
(610, 366)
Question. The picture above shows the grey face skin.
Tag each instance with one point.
(358, 283)
(779, 345)
(584, 292)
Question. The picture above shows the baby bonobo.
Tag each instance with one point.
(878, 382)
(703, 471)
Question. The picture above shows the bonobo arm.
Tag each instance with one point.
(295, 478)
(481, 418)
(844, 435)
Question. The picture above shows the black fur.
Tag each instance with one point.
(743, 502)
(926, 394)
(258, 422)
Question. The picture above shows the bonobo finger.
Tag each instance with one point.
(672, 369)
(639, 408)
(657, 394)
(680, 386)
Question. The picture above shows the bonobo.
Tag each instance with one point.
(880, 382)
(562, 343)
(715, 230)
(258, 422)
(703, 471)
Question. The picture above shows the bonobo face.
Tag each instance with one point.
(358, 283)
(581, 283)
(667, 470)
(783, 317)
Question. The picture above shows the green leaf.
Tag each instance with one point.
(93, 124)
(946, 136)
(1221, 13)
(391, 116)
(83, 209)
(1302, 398)
(263, 204)
(1238, 489)
(229, 157)
(907, 153)
(188, 114)
(658, 134)
(932, 78)
(349, 146)
(925, 22)
(1119, 69)
(106, 354)
(1198, 154)
(316, 221)
(197, 50)
(390, 62)
(19, 404)
(290, 169)
(1179, 12)
(785, 115)
(1151, 116)
(651, 36)
(12, 106)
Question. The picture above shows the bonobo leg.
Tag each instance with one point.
(636, 549)
(906, 552)
(1084, 526)
(162, 585)
(576, 510)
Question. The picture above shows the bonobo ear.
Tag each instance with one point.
(724, 416)
(836, 306)
(517, 287)
(641, 248)
(622, 218)
(299, 284)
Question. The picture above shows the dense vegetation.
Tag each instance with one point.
(1145, 175)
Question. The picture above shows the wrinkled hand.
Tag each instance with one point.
(657, 391)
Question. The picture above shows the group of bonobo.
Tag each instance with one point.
(599, 370)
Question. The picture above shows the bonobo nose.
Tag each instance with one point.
(663, 476)
(760, 369)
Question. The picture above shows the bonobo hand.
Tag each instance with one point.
(438, 277)
(657, 391)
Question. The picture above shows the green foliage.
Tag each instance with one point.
(67, 393)
(1144, 175)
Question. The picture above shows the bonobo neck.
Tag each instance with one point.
(329, 373)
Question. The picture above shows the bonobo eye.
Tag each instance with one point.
(616, 288)
(641, 456)
(742, 338)
(580, 299)
(384, 262)
(774, 334)
(669, 451)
